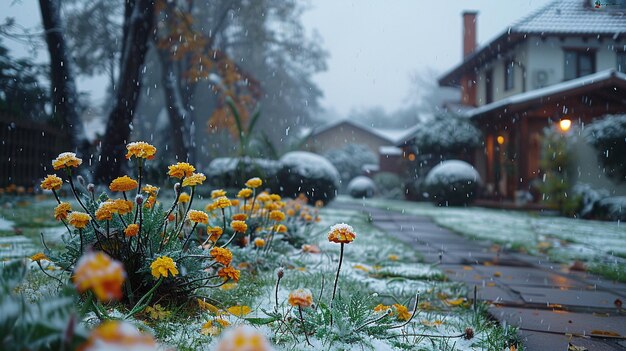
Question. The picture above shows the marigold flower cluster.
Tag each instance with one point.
(180, 170)
(198, 216)
(229, 273)
(221, 255)
(78, 220)
(341, 233)
(118, 335)
(194, 179)
(140, 149)
(243, 339)
(124, 183)
(99, 273)
(61, 211)
(163, 266)
(51, 182)
(66, 160)
(301, 298)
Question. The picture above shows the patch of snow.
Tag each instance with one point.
(452, 171)
(5, 224)
(311, 166)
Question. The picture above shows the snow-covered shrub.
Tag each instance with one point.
(350, 159)
(608, 136)
(612, 208)
(446, 134)
(232, 172)
(309, 174)
(389, 185)
(361, 186)
(589, 198)
(453, 183)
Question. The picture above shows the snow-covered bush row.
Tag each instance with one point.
(446, 134)
(230, 172)
(608, 136)
(309, 174)
(453, 183)
(361, 187)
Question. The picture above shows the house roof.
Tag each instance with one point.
(390, 135)
(603, 79)
(559, 17)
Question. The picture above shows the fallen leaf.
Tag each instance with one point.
(207, 306)
(467, 268)
(497, 274)
(455, 302)
(361, 268)
(228, 286)
(239, 311)
(604, 333)
(572, 347)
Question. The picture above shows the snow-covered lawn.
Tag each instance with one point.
(565, 239)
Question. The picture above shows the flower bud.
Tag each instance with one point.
(280, 272)
(139, 199)
(91, 188)
(177, 189)
(469, 334)
(81, 180)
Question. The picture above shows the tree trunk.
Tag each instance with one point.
(176, 111)
(62, 84)
(138, 28)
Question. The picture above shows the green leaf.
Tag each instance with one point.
(262, 320)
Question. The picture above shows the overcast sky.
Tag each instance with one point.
(374, 45)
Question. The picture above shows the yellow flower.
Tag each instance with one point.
(215, 233)
(98, 272)
(402, 311)
(381, 308)
(66, 160)
(243, 339)
(341, 233)
(281, 228)
(198, 216)
(163, 266)
(319, 203)
(140, 149)
(38, 257)
(263, 197)
(150, 201)
(183, 198)
(234, 202)
(254, 182)
(150, 190)
(181, 169)
(239, 226)
(61, 210)
(244, 193)
(131, 230)
(221, 255)
(301, 298)
(217, 193)
(124, 183)
(239, 217)
(79, 220)
(258, 242)
(275, 197)
(51, 182)
(194, 179)
(277, 216)
(105, 211)
(291, 212)
(393, 257)
(117, 335)
(222, 202)
(229, 273)
(122, 206)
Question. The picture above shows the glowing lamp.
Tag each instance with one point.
(500, 139)
(565, 124)
(411, 157)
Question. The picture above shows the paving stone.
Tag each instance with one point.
(567, 297)
(536, 341)
(528, 276)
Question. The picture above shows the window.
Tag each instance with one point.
(488, 86)
(621, 61)
(509, 75)
(579, 63)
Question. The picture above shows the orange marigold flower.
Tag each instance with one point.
(150, 190)
(79, 219)
(61, 211)
(198, 216)
(131, 230)
(98, 272)
(275, 197)
(117, 335)
(341, 233)
(402, 311)
(183, 198)
(181, 169)
(291, 212)
(229, 273)
(38, 257)
(163, 266)
(140, 149)
(301, 298)
(258, 242)
(217, 193)
(244, 193)
(124, 183)
(254, 182)
(215, 233)
(263, 197)
(319, 203)
(243, 339)
(51, 182)
(194, 179)
(277, 216)
(221, 255)
(150, 201)
(105, 211)
(222, 202)
(281, 228)
(381, 308)
(234, 202)
(239, 226)
(311, 249)
(122, 206)
(66, 160)
(239, 217)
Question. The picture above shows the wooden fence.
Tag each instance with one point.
(27, 149)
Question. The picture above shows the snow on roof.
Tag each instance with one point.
(390, 150)
(391, 135)
(547, 91)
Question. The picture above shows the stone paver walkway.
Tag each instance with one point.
(543, 299)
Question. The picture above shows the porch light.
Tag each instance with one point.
(500, 139)
(565, 124)
(411, 157)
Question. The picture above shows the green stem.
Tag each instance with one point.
(140, 305)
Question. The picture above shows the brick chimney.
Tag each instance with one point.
(469, 32)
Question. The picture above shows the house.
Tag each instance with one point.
(381, 142)
(561, 66)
